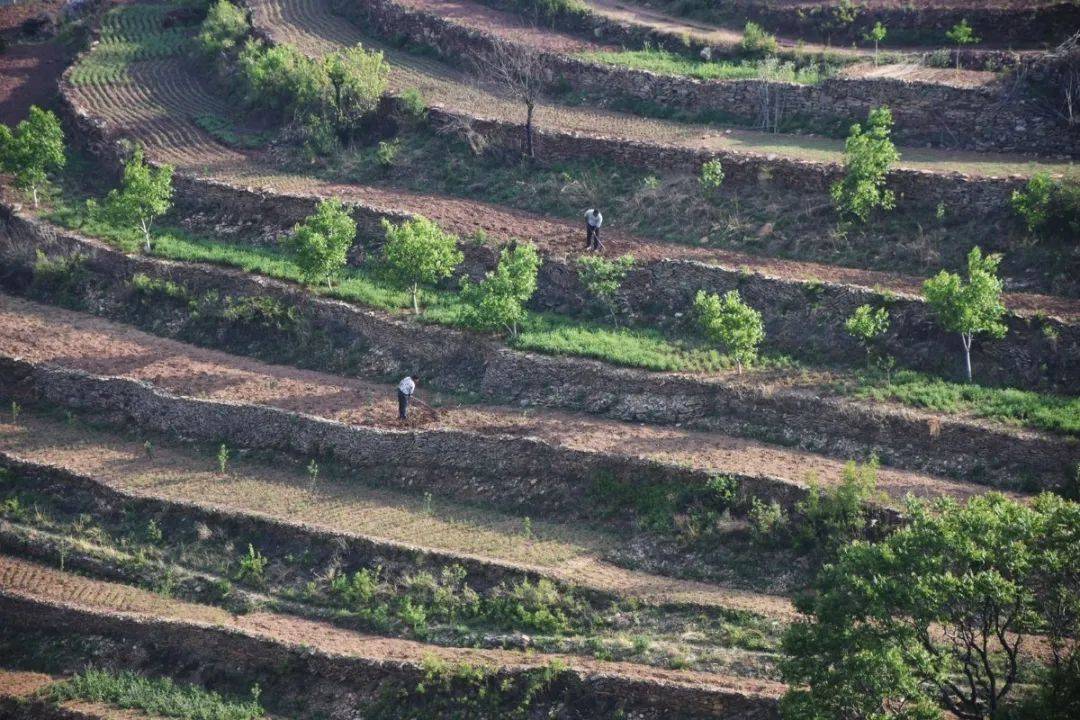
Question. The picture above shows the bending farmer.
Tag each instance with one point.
(405, 390)
(593, 221)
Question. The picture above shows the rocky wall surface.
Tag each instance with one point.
(335, 683)
(356, 341)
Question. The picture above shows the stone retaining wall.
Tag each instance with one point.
(344, 338)
(997, 118)
(231, 659)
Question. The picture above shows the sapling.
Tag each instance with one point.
(877, 34)
(313, 471)
(418, 253)
(961, 34)
(148, 448)
(498, 301)
(33, 150)
(145, 194)
(15, 410)
(970, 307)
(868, 154)
(732, 323)
(866, 325)
(321, 242)
(223, 459)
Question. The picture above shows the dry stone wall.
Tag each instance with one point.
(343, 338)
(998, 117)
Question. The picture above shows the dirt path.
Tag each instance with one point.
(573, 554)
(52, 335)
(311, 26)
(25, 579)
(159, 105)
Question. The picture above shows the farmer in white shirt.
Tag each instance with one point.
(593, 221)
(405, 390)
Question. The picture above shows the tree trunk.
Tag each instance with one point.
(146, 234)
(966, 338)
(529, 130)
(416, 298)
(33, 191)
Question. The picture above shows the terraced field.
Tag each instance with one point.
(555, 535)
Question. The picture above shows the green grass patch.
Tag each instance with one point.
(160, 696)
(669, 63)
(543, 332)
(229, 134)
(1055, 413)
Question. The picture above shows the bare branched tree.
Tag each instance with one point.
(521, 72)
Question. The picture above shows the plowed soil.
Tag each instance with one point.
(52, 335)
(29, 580)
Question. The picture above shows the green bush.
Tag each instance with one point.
(1050, 206)
(866, 325)
(756, 42)
(829, 517)
(283, 80)
(604, 278)
(357, 79)
(712, 176)
(223, 29)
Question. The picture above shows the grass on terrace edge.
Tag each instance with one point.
(669, 63)
(554, 334)
(158, 696)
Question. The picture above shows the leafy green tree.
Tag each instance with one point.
(931, 616)
(868, 155)
(419, 253)
(960, 35)
(866, 325)
(222, 30)
(33, 150)
(282, 79)
(969, 308)
(321, 242)
(145, 194)
(498, 301)
(357, 80)
(877, 34)
(603, 278)
(732, 323)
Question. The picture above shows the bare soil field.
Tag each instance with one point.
(30, 68)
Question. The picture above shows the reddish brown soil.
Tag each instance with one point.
(20, 684)
(53, 335)
(25, 579)
(28, 70)
(505, 25)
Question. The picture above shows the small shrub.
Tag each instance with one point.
(387, 153)
(252, 567)
(876, 34)
(768, 522)
(1049, 206)
(756, 42)
(604, 278)
(830, 517)
(16, 408)
(223, 459)
(413, 103)
(866, 325)
(313, 471)
(223, 29)
(712, 176)
(153, 532)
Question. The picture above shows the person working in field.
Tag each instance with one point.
(405, 390)
(593, 221)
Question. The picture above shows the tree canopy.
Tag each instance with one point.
(33, 150)
(322, 241)
(418, 252)
(731, 323)
(145, 193)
